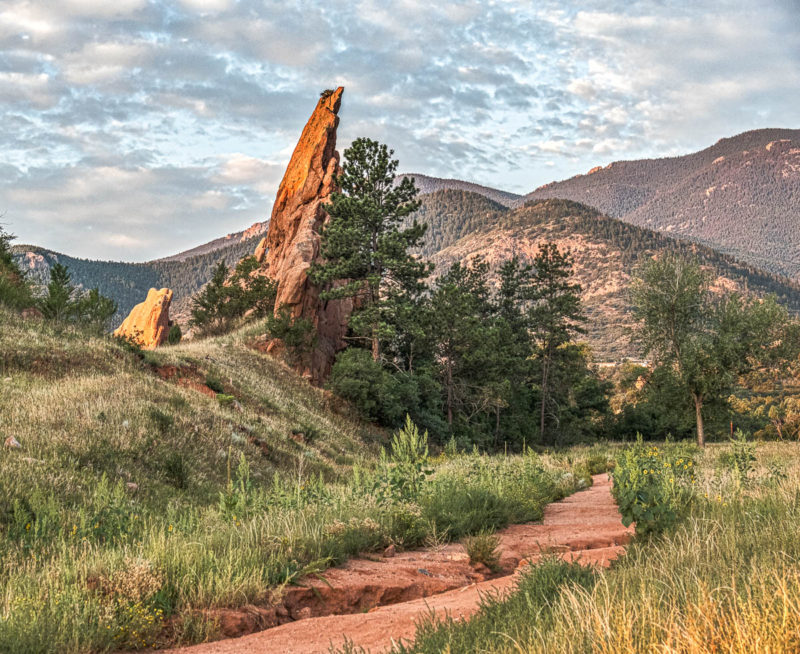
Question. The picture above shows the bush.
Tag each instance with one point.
(482, 548)
(297, 334)
(387, 397)
(741, 457)
(652, 486)
(175, 334)
(215, 384)
(451, 504)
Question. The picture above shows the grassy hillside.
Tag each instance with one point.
(605, 251)
(149, 490)
(120, 465)
(740, 196)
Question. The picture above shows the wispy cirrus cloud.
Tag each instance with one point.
(135, 128)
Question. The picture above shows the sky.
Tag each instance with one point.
(133, 129)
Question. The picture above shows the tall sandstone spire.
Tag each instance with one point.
(292, 243)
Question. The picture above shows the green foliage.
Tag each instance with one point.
(15, 290)
(65, 303)
(128, 283)
(653, 486)
(215, 383)
(482, 548)
(364, 246)
(228, 296)
(297, 334)
(405, 470)
(58, 304)
(708, 340)
(742, 456)
(503, 620)
(175, 334)
(177, 470)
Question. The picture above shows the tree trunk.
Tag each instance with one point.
(376, 349)
(545, 371)
(698, 409)
(450, 395)
(496, 424)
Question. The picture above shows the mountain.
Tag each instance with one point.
(255, 230)
(740, 196)
(427, 184)
(461, 224)
(605, 251)
(127, 283)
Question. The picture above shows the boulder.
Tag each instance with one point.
(12, 443)
(261, 250)
(31, 313)
(293, 243)
(148, 322)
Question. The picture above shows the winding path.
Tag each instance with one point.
(374, 603)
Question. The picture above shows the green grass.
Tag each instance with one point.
(725, 578)
(137, 502)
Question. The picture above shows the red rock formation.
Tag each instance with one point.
(292, 241)
(261, 250)
(148, 322)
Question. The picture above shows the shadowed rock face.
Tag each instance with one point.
(292, 243)
(148, 321)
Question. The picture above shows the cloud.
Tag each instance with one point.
(137, 128)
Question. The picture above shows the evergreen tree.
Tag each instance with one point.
(229, 296)
(15, 290)
(95, 311)
(461, 326)
(364, 246)
(58, 304)
(555, 316)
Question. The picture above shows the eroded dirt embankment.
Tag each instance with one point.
(374, 603)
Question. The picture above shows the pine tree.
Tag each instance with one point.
(364, 246)
(95, 310)
(555, 316)
(461, 324)
(58, 304)
(15, 291)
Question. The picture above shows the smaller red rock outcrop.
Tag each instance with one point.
(148, 322)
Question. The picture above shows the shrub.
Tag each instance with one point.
(177, 470)
(215, 384)
(229, 296)
(451, 504)
(742, 456)
(652, 486)
(297, 334)
(404, 471)
(482, 548)
(162, 421)
(175, 334)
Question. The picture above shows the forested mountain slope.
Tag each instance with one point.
(127, 283)
(605, 251)
(427, 184)
(740, 196)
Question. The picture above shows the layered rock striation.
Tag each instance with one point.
(292, 243)
(148, 322)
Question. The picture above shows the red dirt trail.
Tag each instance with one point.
(376, 602)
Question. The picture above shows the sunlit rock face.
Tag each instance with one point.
(293, 243)
(148, 322)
